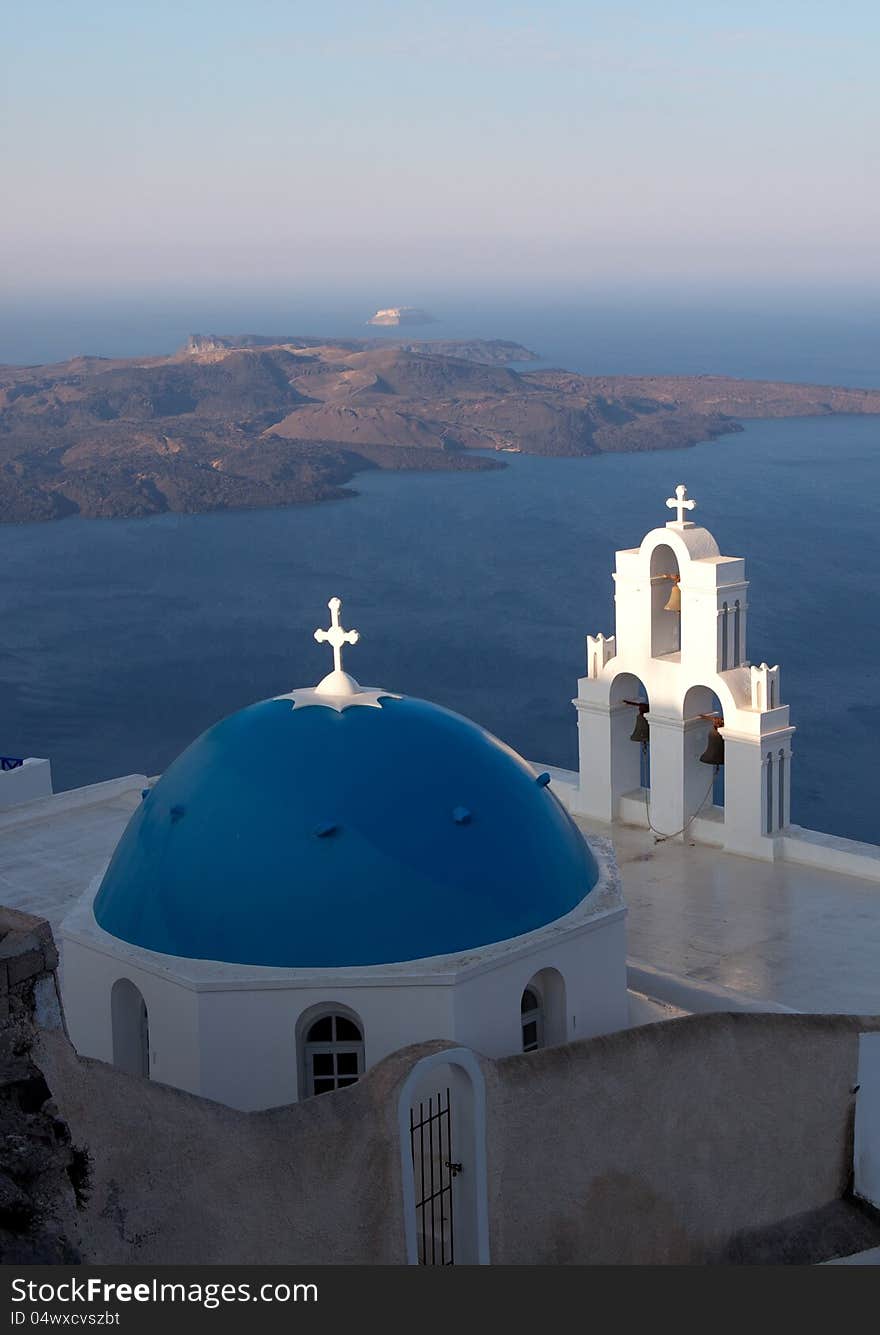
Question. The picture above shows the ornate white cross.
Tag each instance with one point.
(680, 503)
(336, 636)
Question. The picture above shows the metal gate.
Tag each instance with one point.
(434, 1171)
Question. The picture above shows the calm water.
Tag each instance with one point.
(123, 639)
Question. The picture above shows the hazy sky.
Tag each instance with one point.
(276, 140)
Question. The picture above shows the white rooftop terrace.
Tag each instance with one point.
(798, 936)
(51, 848)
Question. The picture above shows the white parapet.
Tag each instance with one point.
(813, 848)
(866, 1150)
(765, 687)
(600, 648)
(805, 848)
(27, 781)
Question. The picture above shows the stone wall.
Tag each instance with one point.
(177, 1178)
(671, 1143)
(41, 1172)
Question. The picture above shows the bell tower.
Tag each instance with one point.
(679, 648)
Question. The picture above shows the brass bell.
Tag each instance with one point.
(714, 752)
(641, 732)
(674, 604)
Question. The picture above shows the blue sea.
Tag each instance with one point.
(123, 639)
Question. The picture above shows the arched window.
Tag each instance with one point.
(131, 1028)
(532, 1018)
(334, 1054)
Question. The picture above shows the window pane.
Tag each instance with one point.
(347, 1063)
(321, 1031)
(323, 1086)
(346, 1030)
(347, 1080)
(322, 1063)
(530, 1036)
(529, 1001)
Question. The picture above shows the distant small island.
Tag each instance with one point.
(396, 315)
(251, 420)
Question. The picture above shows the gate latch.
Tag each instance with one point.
(454, 1168)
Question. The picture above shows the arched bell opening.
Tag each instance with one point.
(703, 753)
(630, 738)
(665, 602)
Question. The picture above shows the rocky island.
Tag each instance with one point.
(259, 420)
(395, 315)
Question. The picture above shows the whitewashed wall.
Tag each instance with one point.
(29, 781)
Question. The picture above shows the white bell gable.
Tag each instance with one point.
(682, 663)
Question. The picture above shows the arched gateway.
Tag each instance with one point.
(442, 1123)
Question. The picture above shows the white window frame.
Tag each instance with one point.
(535, 1015)
(332, 1047)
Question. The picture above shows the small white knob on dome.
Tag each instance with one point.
(337, 683)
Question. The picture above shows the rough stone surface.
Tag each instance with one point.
(24, 925)
(41, 1169)
(841, 1228)
(175, 1178)
(659, 1145)
(25, 966)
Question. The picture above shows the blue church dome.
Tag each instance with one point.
(315, 835)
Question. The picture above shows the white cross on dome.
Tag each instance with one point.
(336, 636)
(337, 690)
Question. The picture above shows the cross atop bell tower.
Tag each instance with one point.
(680, 502)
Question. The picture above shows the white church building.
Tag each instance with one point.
(329, 876)
(345, 886)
